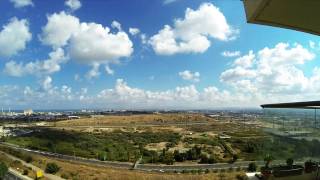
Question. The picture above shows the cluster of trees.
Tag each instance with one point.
(114, 146)
(194, 154)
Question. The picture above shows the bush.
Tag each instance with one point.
(25, 172)
(290, 162)
(28, 159)
(3, 170)
(65, 176)
(241, 177)
(52, 168)
(252, 167)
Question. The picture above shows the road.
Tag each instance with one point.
(147, 167)
(15, 175)
(33, 167)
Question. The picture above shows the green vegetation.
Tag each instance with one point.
(252, 167)
(114, 146)
(277, 147)
(3, 170)
(52, 168)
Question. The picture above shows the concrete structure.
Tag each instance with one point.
(300, 15)
(28, 112)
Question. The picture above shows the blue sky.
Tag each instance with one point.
(149, 54)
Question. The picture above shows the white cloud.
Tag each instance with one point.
(143, 38)
(231, 53)
(59, 29)
(245, 61)
(94, 72)
(14, 37)
(190, 76)
(96, 44)
(272, 72)
(73, 4)
(43, 67)
(77, 77)
(169, 1)
(87, 43)
(109, 70)
(190, 35)
(312, 44)
(21, 3)
(46, 83)
(117, 25)
(134, 31)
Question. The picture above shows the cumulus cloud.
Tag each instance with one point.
(231, 53)
(94, 72)
(190, 76)
(21, 3)
(59, 29)
(117, 25)
(39, 67)
(191, 34)
(87, 43)
(272, 72)
(14, 37)
(73, 4)
(134, 31)
(46, 83)
(180, 97)
(94, 43)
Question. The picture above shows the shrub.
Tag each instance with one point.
(52, 168)
(290, 162)
(3, 169)
(241, 177)
(65, 176)
(252, 167)
(25, 172)
(28, 159)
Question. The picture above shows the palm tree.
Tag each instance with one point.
(268, 159)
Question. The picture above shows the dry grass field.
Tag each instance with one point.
(133, 119)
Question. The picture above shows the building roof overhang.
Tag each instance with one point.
(300, 15)
(297, 105)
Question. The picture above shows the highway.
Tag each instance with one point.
(146, 167)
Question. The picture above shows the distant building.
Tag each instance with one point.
(73, 117)
(28, 112)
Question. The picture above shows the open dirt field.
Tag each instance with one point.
(132, 119)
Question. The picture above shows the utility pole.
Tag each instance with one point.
(315, 118)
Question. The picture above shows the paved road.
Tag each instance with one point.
(15, 175)
(12, 176)
(33, 167)
(147, 167)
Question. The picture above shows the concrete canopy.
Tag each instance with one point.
(300, 15)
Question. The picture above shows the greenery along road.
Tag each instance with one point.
(129, 146)
(143, 167)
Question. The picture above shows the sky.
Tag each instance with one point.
(149, 54)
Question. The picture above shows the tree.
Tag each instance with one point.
(204, 159)
(235, 158)
(168, 158)
(179, 157)
(268, 159)
(290, 162)
(3, 170)
(252, 167)
(52, 168)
